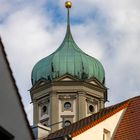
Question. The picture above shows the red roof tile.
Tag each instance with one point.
(129, 127)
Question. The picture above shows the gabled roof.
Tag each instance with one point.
(88, 122)
(37, 84)
(16, 89)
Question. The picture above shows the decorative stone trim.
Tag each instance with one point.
(67, 96)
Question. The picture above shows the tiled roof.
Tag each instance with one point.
(88, 122)
(129, 127)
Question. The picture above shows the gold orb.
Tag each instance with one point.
(68, 4)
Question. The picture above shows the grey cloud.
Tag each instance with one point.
(113, 38)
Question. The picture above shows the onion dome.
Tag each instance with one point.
(68, 59)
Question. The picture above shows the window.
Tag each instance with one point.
(67, 105)
(67, 120)
(67, 123)
(106, 134)
(91, 108)
(44, 109)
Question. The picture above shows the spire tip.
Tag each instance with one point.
(68, 4)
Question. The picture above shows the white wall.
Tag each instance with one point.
(96, 132)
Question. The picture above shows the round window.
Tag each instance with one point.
(91, 108)
(67, 105)
(67, 123)
(44, 109)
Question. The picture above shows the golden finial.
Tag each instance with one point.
(68, 4)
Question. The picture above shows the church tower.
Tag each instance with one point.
(67, 85)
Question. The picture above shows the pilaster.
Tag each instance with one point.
(54, 112)
(35, 113)
(81, 106)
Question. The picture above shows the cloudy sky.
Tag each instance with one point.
(109, 30)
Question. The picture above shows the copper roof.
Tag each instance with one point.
(68, 59)
(88, 122)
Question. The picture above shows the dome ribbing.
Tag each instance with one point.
(68, 59)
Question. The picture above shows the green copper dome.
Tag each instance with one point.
(68, 59)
